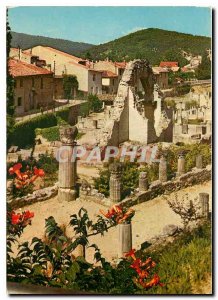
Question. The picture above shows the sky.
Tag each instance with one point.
(98, 25)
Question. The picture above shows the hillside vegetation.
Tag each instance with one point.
(26, 41)
(153, 44)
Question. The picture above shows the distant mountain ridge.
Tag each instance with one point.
(152, 43)
(26, 41)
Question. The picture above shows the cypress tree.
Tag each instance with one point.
(10, 85)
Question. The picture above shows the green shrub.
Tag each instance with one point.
(51, 133)
(63, 114)
(185, 263)
(24, 132)
(129, 179)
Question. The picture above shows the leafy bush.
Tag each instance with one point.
(63, 115)
(185, 263)
(51, 133)
(50, 261)
(24, 132)
(183, 89)
(95, 104)
(129, 178)
(190, 152)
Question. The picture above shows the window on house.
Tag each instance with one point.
(19, 101)
(94, 76)
(96, 90)
(33, 82)
(41, 83)
(120, 72)
(92, 89)
(113, 81)
(21, 82)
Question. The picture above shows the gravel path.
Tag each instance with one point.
(149, 219)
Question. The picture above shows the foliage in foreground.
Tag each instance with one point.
(50, 262)
(185, 264)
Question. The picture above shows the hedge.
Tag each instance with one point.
(63, 114)
(23, 134)
(51, 133)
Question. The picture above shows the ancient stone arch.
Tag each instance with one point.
(132, 117)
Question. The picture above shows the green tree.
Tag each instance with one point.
(204, 69)
(88, 55)
(94, 103)
(70, 85)
(10, 85)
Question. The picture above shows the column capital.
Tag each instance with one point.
(68, 135)
(115, 168)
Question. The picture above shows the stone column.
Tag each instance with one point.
(115, 182)
(125, 239)
(199, 164)
(204, 205)
(184, 128)
(163, 169)
(208, 127)
(143, 182)
(95, 124)
(67, 166)
(181, 166)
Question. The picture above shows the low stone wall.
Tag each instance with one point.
(157, 188)
(36, 196)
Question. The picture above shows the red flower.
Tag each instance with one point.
(154, 281)
(39, 172)
(117, 209)
(131, 253)
(28, 215)
(16, 170)
(15, 218)
(136, 265)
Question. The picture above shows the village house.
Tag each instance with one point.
(170, 65)
(33, 86)
(26, 56)
(90, 80)
(111, 76)
(161, 77)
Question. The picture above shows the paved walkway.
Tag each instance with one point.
(63, 106)
(149, 219)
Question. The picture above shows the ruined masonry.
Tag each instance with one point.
(137, 114)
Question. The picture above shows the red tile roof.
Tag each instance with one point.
(107, 74)
(168, 64)
(18, 68)
(121, 65)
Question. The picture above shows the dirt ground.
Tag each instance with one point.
(149, 220)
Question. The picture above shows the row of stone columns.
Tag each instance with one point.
(67, 169)
(116, 172)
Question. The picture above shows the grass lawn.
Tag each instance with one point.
(185, 266)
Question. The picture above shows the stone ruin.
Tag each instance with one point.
(138, 114)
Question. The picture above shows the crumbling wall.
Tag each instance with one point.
(133, 115)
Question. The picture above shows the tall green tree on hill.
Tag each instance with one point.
(204, 70)
(10, 85)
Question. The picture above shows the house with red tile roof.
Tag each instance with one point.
(33, 86)
(89, 79)
(168, 64)
(111, 76)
